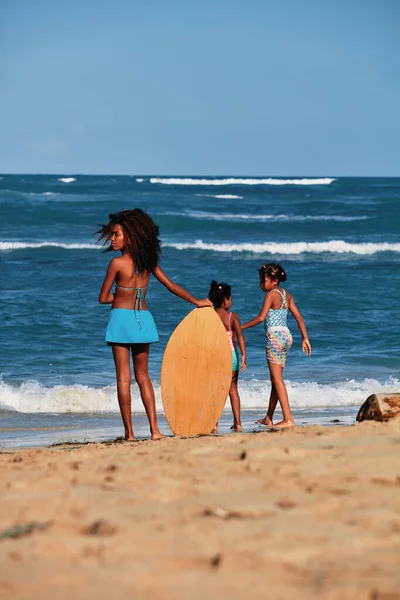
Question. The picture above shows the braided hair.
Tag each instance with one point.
(218, 293)
(273, 270)
(141, 235)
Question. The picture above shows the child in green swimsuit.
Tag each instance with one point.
(221, 297)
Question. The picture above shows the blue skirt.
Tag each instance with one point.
(126, 326)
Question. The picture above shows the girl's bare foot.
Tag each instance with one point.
(237, 428)
(266, 421)
(130, 438)
(214, 430)
(284, 425)
(157, 435)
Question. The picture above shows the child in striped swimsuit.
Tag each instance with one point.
(221, 297)
(279, 340)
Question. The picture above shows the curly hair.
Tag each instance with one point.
(218, 292)
(141, 235)
(273, 270)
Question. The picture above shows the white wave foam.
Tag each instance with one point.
(293, 248)
(222, 196)
(238, 217)
(32, 397)
(334, 246)
(240, 181)
(44, 194)
(23, 245)
(140, 180)
(67, 179)
(255, 393)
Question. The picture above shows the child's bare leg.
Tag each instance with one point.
(277, 381)
(273, 401)
(235, 402)
(140, 356)
(122, 358)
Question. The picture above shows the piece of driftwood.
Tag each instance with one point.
(380, 407)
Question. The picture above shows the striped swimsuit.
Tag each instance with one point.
(278, 337)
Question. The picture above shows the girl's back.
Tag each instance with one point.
(227, 319)
(277, 314)
(130, 286)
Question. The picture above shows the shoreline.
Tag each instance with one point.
(311, 512)
(21, 430)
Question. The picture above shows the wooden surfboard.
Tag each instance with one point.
(196, 373)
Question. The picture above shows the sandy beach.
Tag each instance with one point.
(308, 513)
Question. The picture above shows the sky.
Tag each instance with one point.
(206, 87)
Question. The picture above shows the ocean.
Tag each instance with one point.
(337, 238)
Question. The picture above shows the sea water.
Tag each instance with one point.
(337, 238)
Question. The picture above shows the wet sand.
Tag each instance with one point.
(312, 512)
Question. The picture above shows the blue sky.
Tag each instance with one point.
(283, 87)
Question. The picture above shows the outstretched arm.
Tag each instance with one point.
(105, 296)
(305, 343)
(179, 291)
(241, 341)
(262, 314)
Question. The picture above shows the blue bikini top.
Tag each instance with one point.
(139, 296)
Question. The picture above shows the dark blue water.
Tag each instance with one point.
(338, 240)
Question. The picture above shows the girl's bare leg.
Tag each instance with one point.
(122, 358)
(235, 401)
(279, 385)
(273, 401)
(140, 356)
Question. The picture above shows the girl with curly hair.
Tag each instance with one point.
(131, 327)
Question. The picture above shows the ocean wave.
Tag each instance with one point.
(240, 181)
(289, 248)
(333, 246)
(32, 397)
(238, 217)
(66, 179)
(43, 193)
(23, 245)
(221, 196)
(140, 180)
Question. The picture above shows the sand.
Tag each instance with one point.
(308, 513)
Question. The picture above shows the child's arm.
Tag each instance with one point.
(179, 291)
(305, 343)
(241, 341)
(105, 296)
(262, 314)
